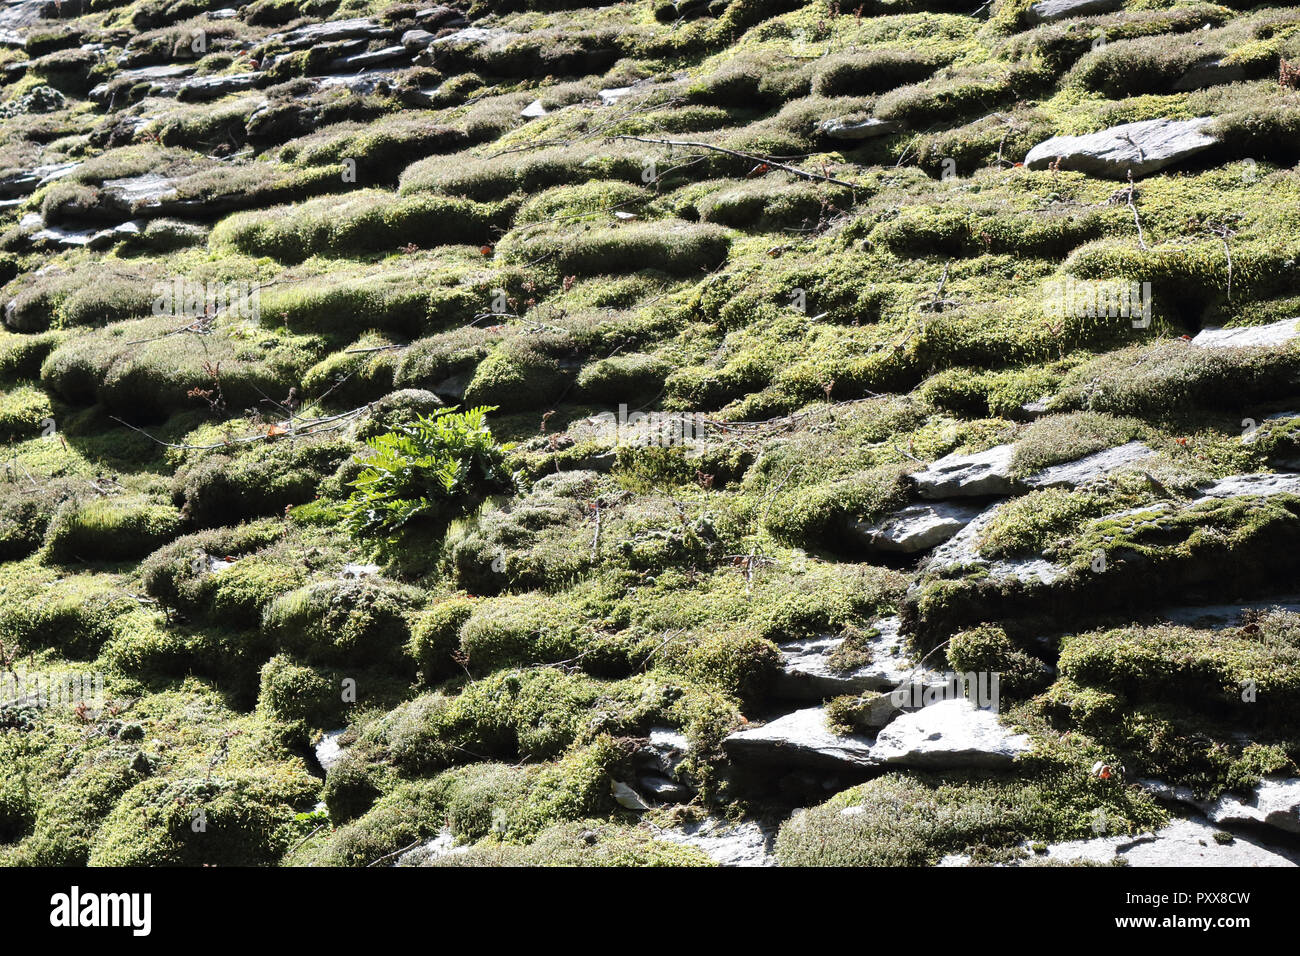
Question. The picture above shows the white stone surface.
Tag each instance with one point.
(800, 739)
(948, 734)
(807, 674)
(915, 528)
(1071, 474)
(1142, 148)
(1049, 11)
(730, 844)
(1271, 335)
(986, 473)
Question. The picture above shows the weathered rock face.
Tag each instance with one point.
(1268, 336)
(1210, 72)
(807, 673)
(355, 572)
(852, 130)
(443, 845)
(658, 762)
(317, 34)
(363, 61)
(161, 80)
(989, 472)
(985, 474)
(1274, 803)
(1190, 842)
(915, 528)
(611, 96)
(747, 843)
(1142, 148)
(1218, 616)
(1259, 484)
(72, 238)
(17, 17)
(23, 184)
(214, 87)
(962, 550)
(800, 739)
(881, 708)
(488, 38)
(662, 790)
(1049, 11)
(948, 734)
(992, 469)
(440, 17)
(1071, 474)
(149, 189)
(416, 40)
(359, 83)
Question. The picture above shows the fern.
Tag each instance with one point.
(436, 468)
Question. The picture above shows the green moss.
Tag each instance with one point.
(111, 529)
(406, 296)
(915, 820)
(514, 803)
(379, 149)
(366, 221)
(987, 649)
(677, 248)
(1061, 438)
(355, 376)
(145, 645)
(64, 298)
(435, 637)
(585, 843)
(22, 413)
(144, 370)
(854, 649)
(429, 362)
(1203, 669)
(810, 515)
(18, 810)
(533, 628)
(944, 230)
(624, 377)
(530, 546)
(1003, 393)
(741, 664)
(836, 338)
(345, 623)
(245, 818)
(774, 202)
(262, 479)
(1185, 746)
(874, 71)
(21, 355)
(591, 200)
(70, 816)
(293, 692)
(26, 510)
(959, 91)
(1031, 524)
(516, 376)
(1165, 375)
(410, 813)
(74, 614)
(221, 572)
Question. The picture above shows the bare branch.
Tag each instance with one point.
(750, 157)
